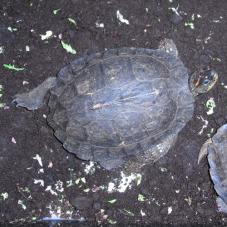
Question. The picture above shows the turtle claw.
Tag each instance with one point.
(204, 151)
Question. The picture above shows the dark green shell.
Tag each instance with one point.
(121, 104)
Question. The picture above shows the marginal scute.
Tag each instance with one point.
(130, 102)
(75, 130)
(84, 152)
(65, 74)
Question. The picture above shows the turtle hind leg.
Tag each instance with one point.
(34, 99)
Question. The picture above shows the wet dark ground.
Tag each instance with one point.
(175, 190)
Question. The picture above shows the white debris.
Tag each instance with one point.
(27, 48)
(25, 82)
(20, 202)
(38, 158)
(39, 181)
(12, 29)
(101, 187)
(142, 213)
(99, 25)
(121, 18)
(163, 169)
(89, 168)
(60, 36)
(13, 140)
(138, 179)
(175, 10)
(155, 201)
(80, 180)
(188, 200)
(59, 186)
(86, 189)
(207, 39)
(49, 188)
(177, 191)
(204, 126)
(222, 84)
(50, 165)
(41, 170)
(111, 187)
(170, 209)
(1, 49)
(218, 21)
(47, 35)
(69, 183)
(126, 182)
(4, 195)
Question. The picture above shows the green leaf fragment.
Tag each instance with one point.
(112, 222)
(12, 67)
(141, 198)
(68, 48)
(112, 201)
(71, 20)
(55, 11)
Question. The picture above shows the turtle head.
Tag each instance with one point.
(202, 81)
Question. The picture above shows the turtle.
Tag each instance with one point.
(216, 150)
(123, 106)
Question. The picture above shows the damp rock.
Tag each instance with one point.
(81, 202)
(176, 18)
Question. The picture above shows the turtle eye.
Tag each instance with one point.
(206, 81)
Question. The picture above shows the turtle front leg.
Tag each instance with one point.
(34, 99)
